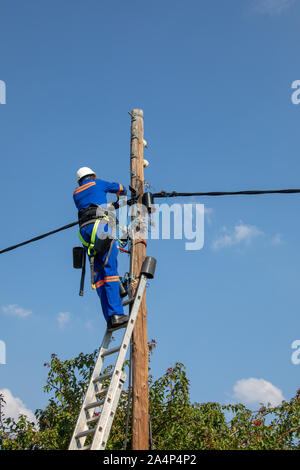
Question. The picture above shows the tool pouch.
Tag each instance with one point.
(102, 244)
(78, 256)
(122, 289)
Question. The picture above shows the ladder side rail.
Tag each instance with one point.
(111, 416)
(81, 424)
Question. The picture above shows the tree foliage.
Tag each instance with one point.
(176, 422)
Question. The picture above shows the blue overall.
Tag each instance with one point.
(107, 280)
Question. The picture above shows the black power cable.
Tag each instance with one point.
(164, 194)
(65, 227)
(227, 193)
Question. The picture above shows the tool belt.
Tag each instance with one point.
(93, 213)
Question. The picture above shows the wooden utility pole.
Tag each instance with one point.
(140, 405)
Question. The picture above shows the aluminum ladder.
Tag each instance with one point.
(104, 390)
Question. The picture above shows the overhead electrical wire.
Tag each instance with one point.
(227, 193)
(164, 194)
(65, 227)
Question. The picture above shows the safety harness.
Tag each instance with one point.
(96, 215)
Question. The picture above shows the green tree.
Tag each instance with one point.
(176, 422)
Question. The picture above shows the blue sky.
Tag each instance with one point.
(214, 80)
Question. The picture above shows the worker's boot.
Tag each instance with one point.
(117, 321)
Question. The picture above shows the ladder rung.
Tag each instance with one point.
(128, 302)
(94, 404)
(101, 393)
(101, 378)
(92, 420)
(84, 433)
(85, 447)
(111, 351)
(115, 328)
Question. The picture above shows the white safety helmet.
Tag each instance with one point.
(84, 171)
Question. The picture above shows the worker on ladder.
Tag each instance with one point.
(95, 233)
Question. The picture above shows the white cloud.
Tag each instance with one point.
(63, 318)
(16, 311)
(255, 391)
(242, 233)
(14, 406)
(277, 240)
(272, 7)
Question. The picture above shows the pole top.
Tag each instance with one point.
(138, 112)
